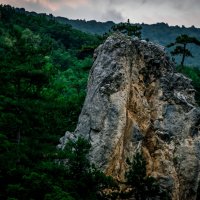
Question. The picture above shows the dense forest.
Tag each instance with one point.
(44, 69)
(43, 76)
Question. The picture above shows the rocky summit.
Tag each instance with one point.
(136, 102)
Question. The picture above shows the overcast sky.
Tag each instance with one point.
(173, 12)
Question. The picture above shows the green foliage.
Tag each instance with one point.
(43, 84)
(84, 178)
(70, 177)
(58, 194)
(128, 28)
(194, 75)
(181, 46)
(143, 186)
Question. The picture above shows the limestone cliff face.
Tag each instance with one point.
(135, 102)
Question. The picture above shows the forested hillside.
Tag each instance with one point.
(160, 33)
(43, 77)
(44, 66)
(91, 26)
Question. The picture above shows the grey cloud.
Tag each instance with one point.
(189, 4)
(181, 12)
(112, 14)
(175, 3)
(29, 5)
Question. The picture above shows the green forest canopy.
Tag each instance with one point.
(43, 77)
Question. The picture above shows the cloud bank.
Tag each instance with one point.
(173, 12)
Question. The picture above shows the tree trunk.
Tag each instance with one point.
(183, 58)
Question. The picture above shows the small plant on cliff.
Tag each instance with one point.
(143, 187)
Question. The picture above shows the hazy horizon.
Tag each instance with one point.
(172, 12)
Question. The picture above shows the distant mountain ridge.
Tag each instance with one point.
(160, 33)
(91, 26)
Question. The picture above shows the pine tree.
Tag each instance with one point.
(181, 46)
(143, 187)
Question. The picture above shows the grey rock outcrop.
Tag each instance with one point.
(135, 102)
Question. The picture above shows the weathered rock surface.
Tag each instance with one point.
(135, 102)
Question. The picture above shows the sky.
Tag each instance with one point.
(173, 12)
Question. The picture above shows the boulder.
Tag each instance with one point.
(137, 102)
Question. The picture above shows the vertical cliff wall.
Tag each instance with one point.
(135, 102)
